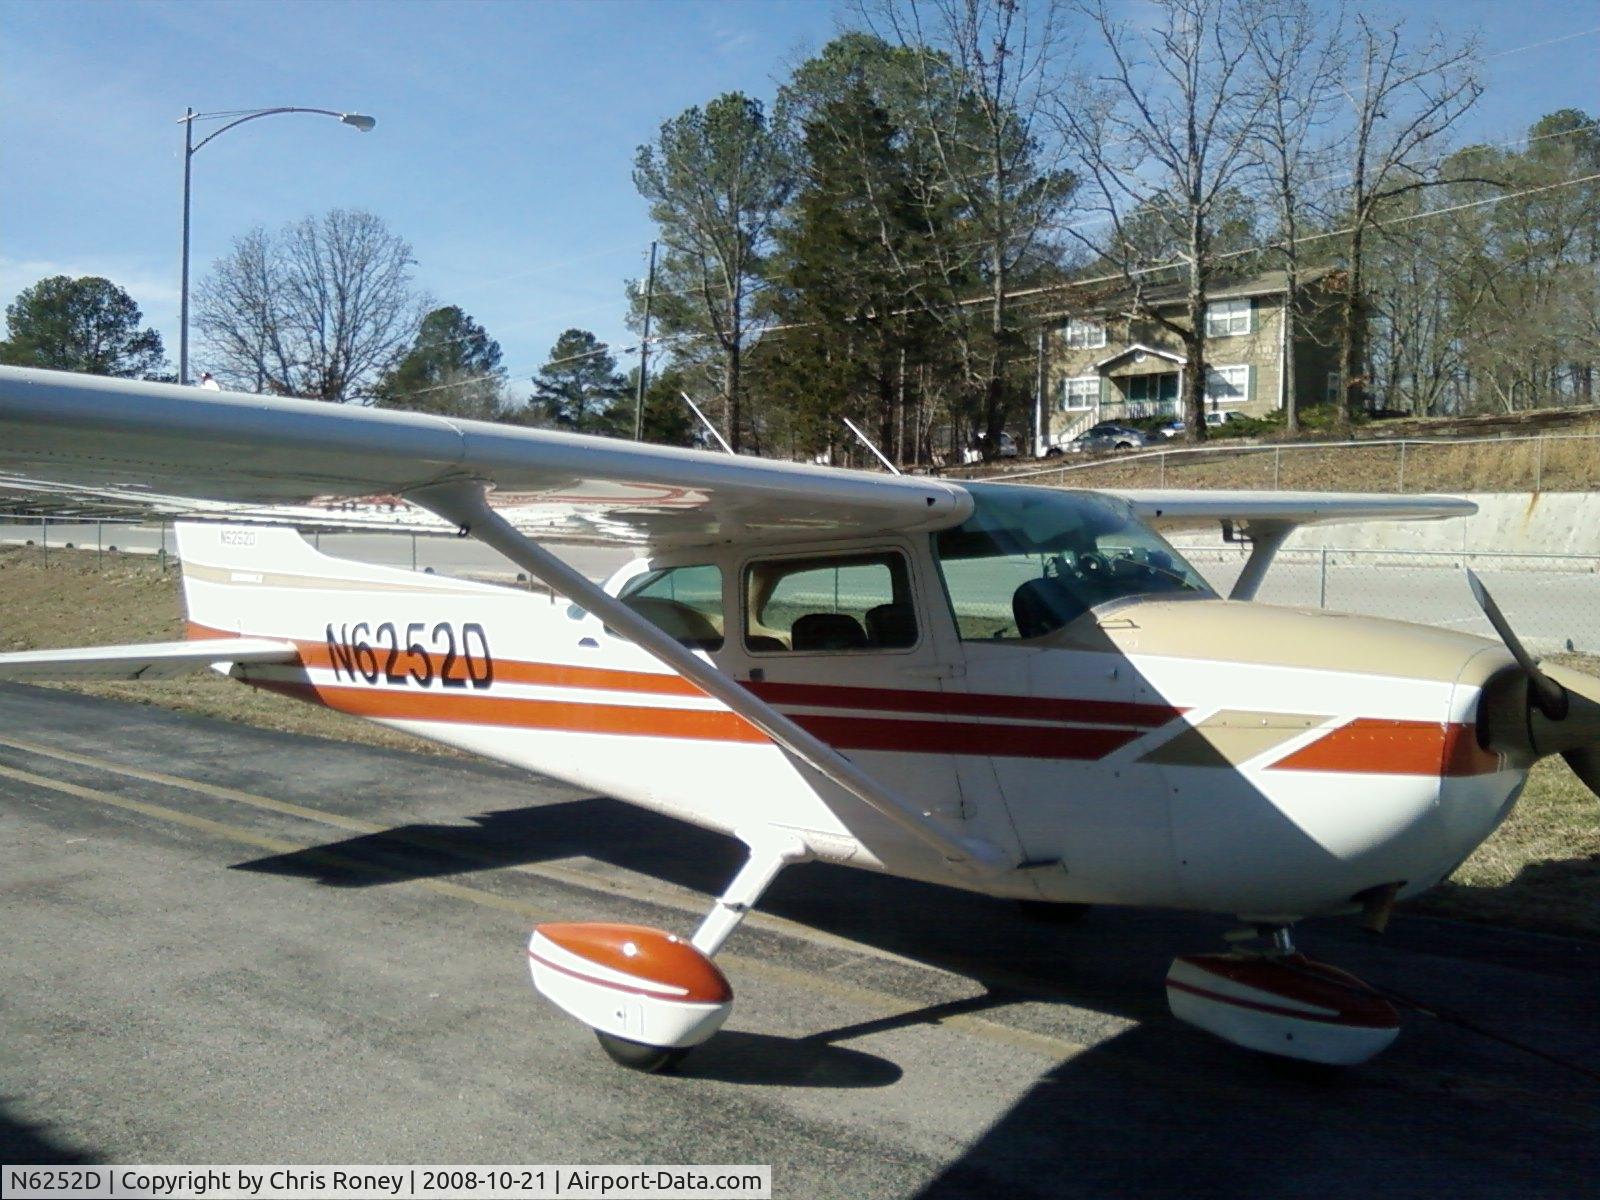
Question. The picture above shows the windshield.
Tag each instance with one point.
(1030, 559)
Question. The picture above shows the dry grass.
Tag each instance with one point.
(73, 599)
(1557, 464)
(1541, 870)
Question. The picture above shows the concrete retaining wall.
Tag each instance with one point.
(1556, 523)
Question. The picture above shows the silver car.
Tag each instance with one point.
(1108, 435)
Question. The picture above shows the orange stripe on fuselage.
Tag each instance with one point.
(1374, 746)
(1120, 715)
(396, 704)
(1366, 745)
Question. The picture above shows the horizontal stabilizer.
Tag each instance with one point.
(152, 660)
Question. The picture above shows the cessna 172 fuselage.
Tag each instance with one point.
(1020, 691)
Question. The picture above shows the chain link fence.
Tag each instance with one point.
(440, 553)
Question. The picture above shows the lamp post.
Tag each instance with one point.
(357, 121)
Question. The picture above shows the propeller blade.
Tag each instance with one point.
(1546, 694)
(1585, 765)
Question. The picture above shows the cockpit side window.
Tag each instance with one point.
(854, 602)
(1030, 560)
(684, 602)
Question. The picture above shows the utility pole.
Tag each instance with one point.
(644, 350)
(183, 287)
(1040, 429)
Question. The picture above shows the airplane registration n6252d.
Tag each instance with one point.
(1024, 692)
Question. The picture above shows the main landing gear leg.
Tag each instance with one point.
(651, 996)
(1274, 999)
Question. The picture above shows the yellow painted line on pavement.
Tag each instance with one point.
(636, 887)
(886, 1005)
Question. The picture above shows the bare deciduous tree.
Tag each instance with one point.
(983, 87)
(1167, 136)
(1403, 100)
(323, 310)
(1300, 61)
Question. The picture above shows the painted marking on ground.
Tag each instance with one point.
(888, 1006)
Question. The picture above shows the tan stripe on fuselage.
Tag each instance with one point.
(1231, 737)
(244, 577)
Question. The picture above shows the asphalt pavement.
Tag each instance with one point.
(224, 944)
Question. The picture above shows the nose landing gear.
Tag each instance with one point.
(649, 995)
(1276, 1000)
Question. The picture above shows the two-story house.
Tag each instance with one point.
(1107, 365)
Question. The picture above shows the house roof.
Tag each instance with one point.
(1134, 349)
(1268, 283)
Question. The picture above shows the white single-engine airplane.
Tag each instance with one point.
(1019, 691)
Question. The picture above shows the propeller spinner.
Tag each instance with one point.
(1536, 710)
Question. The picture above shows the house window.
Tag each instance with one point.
(1080, 393)
(1085, 335)
(1227, 387)
(1228, 318)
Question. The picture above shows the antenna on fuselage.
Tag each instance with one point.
(867, 442)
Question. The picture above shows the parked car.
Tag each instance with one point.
(974, 454)
(1174, 427)
(1108, 435)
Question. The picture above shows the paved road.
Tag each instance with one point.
(443, 553)
(223, 944)
(1550, 610)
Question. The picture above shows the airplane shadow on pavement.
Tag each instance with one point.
(1153, 1110)
(25, 1143)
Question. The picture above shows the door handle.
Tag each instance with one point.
(938, 671)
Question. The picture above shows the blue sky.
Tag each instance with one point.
(505, 139)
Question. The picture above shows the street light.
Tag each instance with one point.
(358, 121)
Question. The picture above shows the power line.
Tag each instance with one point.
(1566, 37)
(1312, 237)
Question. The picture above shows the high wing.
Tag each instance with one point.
(180, 449)
(1266, 519)
(1180, 509)
(157, 444)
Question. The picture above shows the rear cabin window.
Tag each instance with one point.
(684, 602)
(859, 602)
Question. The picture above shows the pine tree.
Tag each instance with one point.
(578, 388)
(453, 368)
(87, 324)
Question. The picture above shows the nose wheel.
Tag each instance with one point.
(639, 1056)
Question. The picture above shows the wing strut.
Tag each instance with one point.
(465, 504)
(1265, 539)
